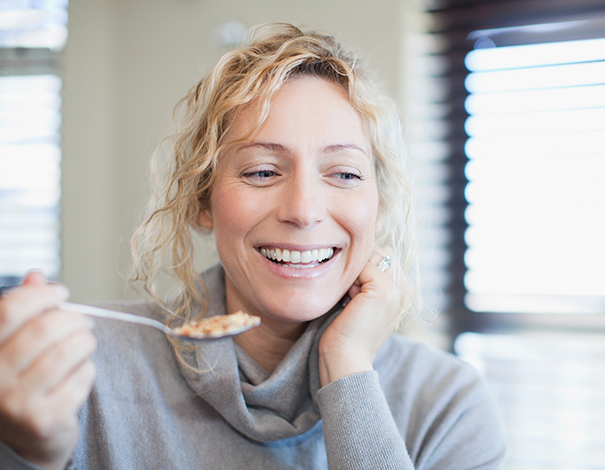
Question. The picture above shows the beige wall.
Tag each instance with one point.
(126, 64)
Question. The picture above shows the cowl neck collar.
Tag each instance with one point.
(262, 406)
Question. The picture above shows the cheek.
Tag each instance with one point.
(231, 218)
(231, 213)
(360, 215)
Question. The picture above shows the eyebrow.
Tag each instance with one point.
(282, 148)
(268, 146)
(337, 147)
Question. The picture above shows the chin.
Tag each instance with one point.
(300, 311)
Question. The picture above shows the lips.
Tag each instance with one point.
(294, 257)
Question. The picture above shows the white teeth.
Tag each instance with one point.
(297, 257)
(324, 253)
(305, 257)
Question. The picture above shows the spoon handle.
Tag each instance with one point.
(104, 313)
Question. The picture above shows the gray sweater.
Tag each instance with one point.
(419, 409)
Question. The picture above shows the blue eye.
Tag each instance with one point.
(261, 178)
(348, 176)
(262, 174)
(345, 176)
(346, 179)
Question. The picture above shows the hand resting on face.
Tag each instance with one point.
(350, 344)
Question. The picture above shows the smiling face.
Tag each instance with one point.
(294, 209)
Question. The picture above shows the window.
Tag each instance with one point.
(508, 129)
(31, 36)
(536, 168)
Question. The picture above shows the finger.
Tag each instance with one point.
(37, 336)
(25, 302)
(354, 290)
(73, 391)
(374, 279)
(368, 273)
(376, 257)
(34, 278)
(368, 280)
(48, 417)
(59, 362)
(383, 258)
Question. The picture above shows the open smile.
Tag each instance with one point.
(297, 259)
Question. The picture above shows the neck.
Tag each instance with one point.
(269, 343)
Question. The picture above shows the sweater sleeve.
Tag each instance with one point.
(358, 428)
(459, 429)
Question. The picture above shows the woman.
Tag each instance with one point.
(288, 157)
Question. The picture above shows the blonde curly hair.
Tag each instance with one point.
(273, 54)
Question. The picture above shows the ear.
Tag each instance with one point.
(205, 219)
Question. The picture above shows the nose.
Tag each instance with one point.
(302, 202)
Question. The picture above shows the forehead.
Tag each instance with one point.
(305, 107)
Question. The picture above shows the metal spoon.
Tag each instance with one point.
(128, 317)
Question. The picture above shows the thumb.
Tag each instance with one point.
(34, 278)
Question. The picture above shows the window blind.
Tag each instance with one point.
(507, 125)
(535, 192)
(31, 36)
(507, 128)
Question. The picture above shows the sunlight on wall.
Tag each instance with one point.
(551, 392)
